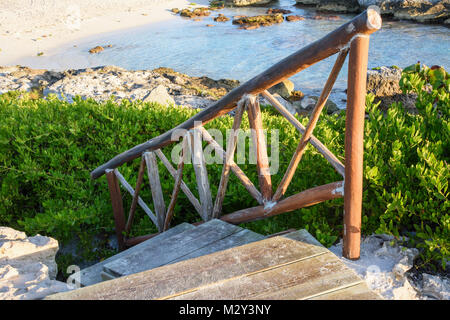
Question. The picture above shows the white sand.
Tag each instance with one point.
(28, 27)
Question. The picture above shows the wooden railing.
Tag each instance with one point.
(350, 39)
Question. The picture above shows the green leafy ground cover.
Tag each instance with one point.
(48, 148)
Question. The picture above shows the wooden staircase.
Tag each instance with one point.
(218, 260)
(179, 243)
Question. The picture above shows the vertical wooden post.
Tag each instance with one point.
(117, 206)
(354, 134)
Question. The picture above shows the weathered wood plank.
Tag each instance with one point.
(259, 141)
(366, 23)
(359, 291)
(155, 186)
(201, 174)
(300, 200)
(304, 236)
(190, 274)
(231, 147)
(180, 245)
(237, 239)
(141, 202)
(297, 280)
(184, 187)
(91, 275)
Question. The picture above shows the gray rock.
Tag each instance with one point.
(284, 88)
(384, 81)
(289, 106)
(245, 3)
(27, 266)
(309, 102)
(332, 5)
(384, 84)
(435, 287)
(424, 11)
(159, 95)
(338, 5)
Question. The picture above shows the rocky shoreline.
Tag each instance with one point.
(166, 86)
(422, 11)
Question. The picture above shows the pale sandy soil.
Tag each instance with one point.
(28, 27)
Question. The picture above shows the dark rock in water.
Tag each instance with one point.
(197, 12)
(221, 18)
(282, 11)
(292, 18)
(296, 95)
(215, 5)
(245, 3)
(262, 20)
(250, 27)
(330, 18)
(96, 49)
(284, 88)
(332, 5)
(339, 6)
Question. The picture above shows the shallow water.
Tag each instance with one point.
(224, 51)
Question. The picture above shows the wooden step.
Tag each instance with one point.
(294, 266)
(92, 274)
(176, 248)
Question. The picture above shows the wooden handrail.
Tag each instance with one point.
(364, 24)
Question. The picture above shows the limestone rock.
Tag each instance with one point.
(383, 82)
(436, 287)
(245, 3)
(424, 11)
(289, 106)
(308, 103)
(27, 266)
(104, 83)
(159, 95)
(338, 5)
(284, 88)
(332, 5)
(418, 10)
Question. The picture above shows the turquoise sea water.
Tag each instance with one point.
(224, 51)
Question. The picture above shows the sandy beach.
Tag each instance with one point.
(31, 27)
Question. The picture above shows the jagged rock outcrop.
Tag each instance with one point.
(162, 85)
(383, 82)
(424, 11)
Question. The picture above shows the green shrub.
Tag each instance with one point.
(48, 148)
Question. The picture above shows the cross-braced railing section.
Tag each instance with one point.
(351, 39)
